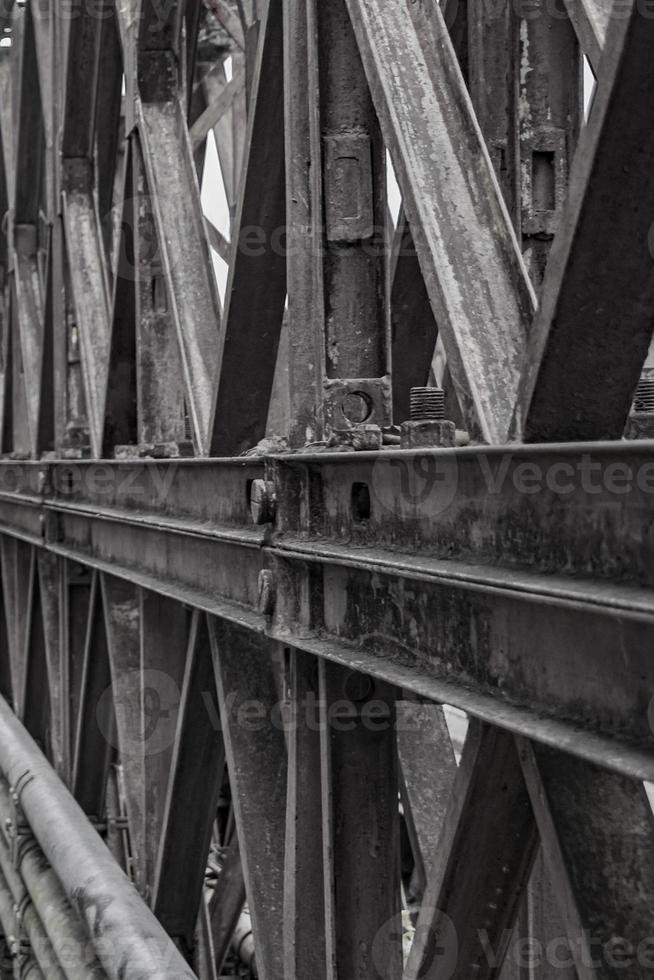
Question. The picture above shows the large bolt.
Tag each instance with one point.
(427, 404)
(263, 501)
(644, 395)
(428, 426)
(266, 599)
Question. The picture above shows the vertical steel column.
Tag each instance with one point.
(360, 826)
(339, 239)
(550, 113)
(160, 379)
(492, 66)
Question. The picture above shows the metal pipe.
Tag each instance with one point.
(129, 941)
(8, 925)
(63, 927)
(27, 917)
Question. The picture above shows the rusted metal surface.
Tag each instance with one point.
(600, 336)
(238, 665)
(483, 331)
(125, 933)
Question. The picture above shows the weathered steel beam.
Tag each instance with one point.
(303, 219)
(95, 719)
(592, 331)
(84, 36)
(214, 111)
(16, 562)
(256, 286)
(160, 389)
(164, 644)
(360, 825)
(196, 774)
(29, 138)
(131, 943)
(515, 542)
(350, 237)
(184, 253)
(226, 903)
(35, 709)
(50, 574)
(597, 831)
(29, 302)
(424, 110)
(120, 601)
(591, 19)
(428, 769)
(107, 121)
(256, 763)
(548, 110)
(483, 861)
(90, 291)
(304, 877)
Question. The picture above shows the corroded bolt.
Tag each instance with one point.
(427, 404)
(644, 395)
(428, 427)
(263, 501)
(266, 599)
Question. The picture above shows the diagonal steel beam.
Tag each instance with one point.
(256, 287)
(192, 797)
(185, 255)
(590, 19)
(90, 293)
(598, 834)
(592, 332)
(29, 304)
(256, 761)
(214, 111)
(82, 79)
(468, 253)
(482, 863)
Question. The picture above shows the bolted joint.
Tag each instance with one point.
(424, 435)
(263, 501)
(266, 597)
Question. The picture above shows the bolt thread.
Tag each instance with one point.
(427, 404)
(644, 396)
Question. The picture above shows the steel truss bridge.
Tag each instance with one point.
(253, 539)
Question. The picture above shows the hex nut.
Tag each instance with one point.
(424, 435)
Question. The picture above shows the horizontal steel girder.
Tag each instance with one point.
(515, 584)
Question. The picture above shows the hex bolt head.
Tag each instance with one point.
(266, 599)
(263, 501)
